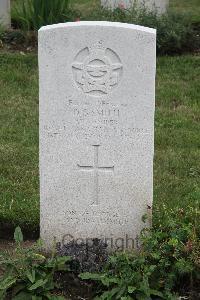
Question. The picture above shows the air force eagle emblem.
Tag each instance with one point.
(97, 71)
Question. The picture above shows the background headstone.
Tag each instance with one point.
(5, 19)
(97, 89)
(160, 6)
(112, 4)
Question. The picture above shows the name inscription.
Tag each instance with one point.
(100, 117)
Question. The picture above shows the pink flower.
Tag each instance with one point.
(121, 6)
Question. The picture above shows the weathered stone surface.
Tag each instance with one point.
(97, 89)
(5, 13)
(160, 6)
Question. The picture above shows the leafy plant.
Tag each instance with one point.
(29, 274)
(32, 14)
(168, 258)
(127, 275)
(175, 33)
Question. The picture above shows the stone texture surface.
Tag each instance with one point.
(97, 89)
(5, 13)
(154, 5)
(160, 6)
(112, 4)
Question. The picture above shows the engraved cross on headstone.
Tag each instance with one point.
(95, 168)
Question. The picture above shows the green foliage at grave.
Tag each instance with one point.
(167, 265)
(33, 14)
(192, 7)
(28, 274)
(175, 33)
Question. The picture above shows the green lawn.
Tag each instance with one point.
(19, 139)
(177, 143)
(85, 6)
(191, 7)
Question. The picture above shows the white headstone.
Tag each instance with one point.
(97, 89)
(160, 6)
(112, 4)
(5, 13)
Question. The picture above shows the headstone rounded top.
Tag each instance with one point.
(98, 23)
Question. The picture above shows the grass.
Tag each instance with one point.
(85, 6)
(192, 7)
(19, 140)
(177, 142)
